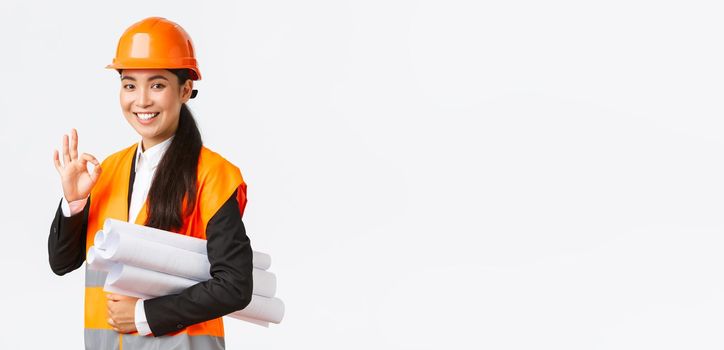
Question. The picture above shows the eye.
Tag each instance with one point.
(129, 86)
(158, 86)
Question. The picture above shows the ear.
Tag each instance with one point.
(186, 90)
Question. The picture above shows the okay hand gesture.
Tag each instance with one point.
(76, 179)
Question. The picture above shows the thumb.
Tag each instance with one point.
(96, 173)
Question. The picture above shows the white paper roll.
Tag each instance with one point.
(262, 308)
(265, 282)
(99, 240)
(260, 260)
(146, 262)
(129, 277)
(96, 261)
(145, 284)
(131, 250)
(251, 320)
(189, 243)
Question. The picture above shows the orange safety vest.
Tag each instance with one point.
(217, 180)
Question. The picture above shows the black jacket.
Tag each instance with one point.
(229, 252)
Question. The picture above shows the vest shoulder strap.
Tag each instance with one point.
(218, 179)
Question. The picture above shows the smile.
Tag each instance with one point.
(146, 116)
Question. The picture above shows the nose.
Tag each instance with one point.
(143, 100)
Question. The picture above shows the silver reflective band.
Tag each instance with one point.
(94, 278)
(96, 339)
(104, 339)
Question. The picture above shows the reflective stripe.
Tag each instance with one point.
(94, 278)
(179, 341)
(97, 339)
(102, 339)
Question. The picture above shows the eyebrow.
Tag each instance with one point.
(125, 77)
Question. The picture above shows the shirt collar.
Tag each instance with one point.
(152, 156)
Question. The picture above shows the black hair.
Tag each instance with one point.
(174, 184)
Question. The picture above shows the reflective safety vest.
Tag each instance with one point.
(217, 180)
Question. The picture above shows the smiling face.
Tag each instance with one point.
(151, 100)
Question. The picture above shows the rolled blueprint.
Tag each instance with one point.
(263, 309)
(131, 250)
(146, 262)
(97, 262)
(260, 260)
(145, 284)
(129, 277)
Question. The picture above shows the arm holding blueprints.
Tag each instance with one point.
(146, 263)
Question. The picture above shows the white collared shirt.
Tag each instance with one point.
(146, 164)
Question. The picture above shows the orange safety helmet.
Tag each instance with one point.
(156, 43)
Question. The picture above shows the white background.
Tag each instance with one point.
(425, 175)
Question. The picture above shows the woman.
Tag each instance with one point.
(168, 180)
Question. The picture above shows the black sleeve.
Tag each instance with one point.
(67, 240)
(230, 288)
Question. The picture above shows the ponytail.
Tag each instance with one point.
(174, 184)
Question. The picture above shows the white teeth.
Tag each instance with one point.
(146, 116)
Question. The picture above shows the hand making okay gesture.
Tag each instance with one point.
(76, 179)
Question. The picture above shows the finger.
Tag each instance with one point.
(66, 155)
(56, 160)
(90, 158)
(83, 162)
(96, 173)
(85, 157)
(73, 144)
